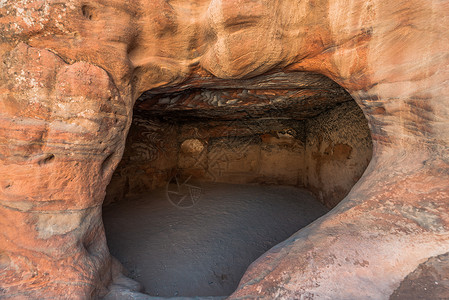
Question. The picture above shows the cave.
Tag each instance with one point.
(213, 177)
(237, 97)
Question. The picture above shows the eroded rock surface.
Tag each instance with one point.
(430, 280)
(301, 137)
(71, 70)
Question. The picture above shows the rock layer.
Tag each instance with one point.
(71, 70)
(301, 137)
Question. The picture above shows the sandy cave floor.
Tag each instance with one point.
(203, 250)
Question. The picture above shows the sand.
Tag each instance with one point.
(203, 250)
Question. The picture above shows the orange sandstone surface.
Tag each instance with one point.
(71, 70)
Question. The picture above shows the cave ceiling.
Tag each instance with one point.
(298, 95)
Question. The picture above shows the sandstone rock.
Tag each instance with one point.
(430, 280)
(192, 146)
(71, 70)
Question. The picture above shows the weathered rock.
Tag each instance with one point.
(265, 143)
(71, 70)
(430, 280)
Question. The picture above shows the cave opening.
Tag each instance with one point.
(214, 175)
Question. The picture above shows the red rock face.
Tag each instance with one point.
(71, 70)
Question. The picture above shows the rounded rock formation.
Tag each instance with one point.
(71, 71)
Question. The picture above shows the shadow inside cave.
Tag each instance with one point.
(212, 178)
(205, 249)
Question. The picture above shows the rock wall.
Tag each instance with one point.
(71, 71)
(238, 151)
(255, 151)
(149, 159)
(61, 128)
(338, 150)
(327, 153)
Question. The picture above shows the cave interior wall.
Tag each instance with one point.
(315, 139)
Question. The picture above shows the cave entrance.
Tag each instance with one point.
(214, 175)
